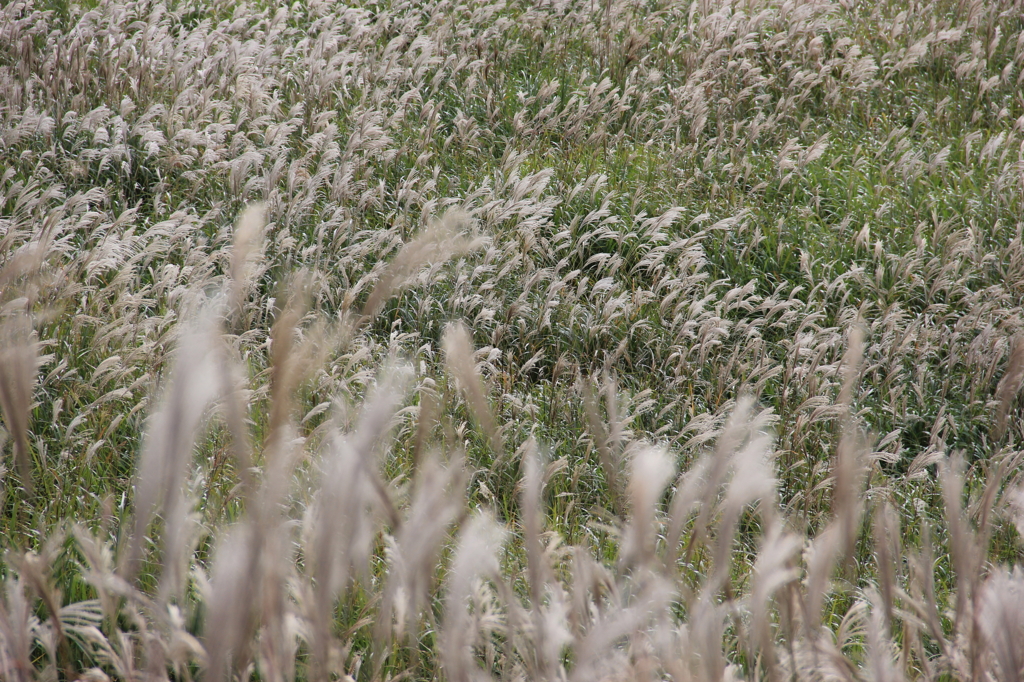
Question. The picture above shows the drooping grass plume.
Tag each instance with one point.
(442, 239)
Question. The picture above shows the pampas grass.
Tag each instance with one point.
(507, 341)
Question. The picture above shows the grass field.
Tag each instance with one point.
(558, 340)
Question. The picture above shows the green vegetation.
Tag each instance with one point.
(560, 340)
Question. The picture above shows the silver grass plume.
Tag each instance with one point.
(965, 551)
(713, 475)
(476, 559)
(886, 535)
(881, 658)
(246, 250)
(253, 561)
(752, 480)
(35, 569)
(341, 526)
(439, 241)
(1009, 387)
(18, 365)
(167, 448)
(17, 627)
(652, 469)
(850, 469)
(536, 567)
(234, 596)
(610, 457)
(437, 500)
(1001, 618)
(458, 352)
(775, 568)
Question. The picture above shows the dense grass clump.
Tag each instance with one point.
(511, 340)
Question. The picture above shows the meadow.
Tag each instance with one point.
(512, 340)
